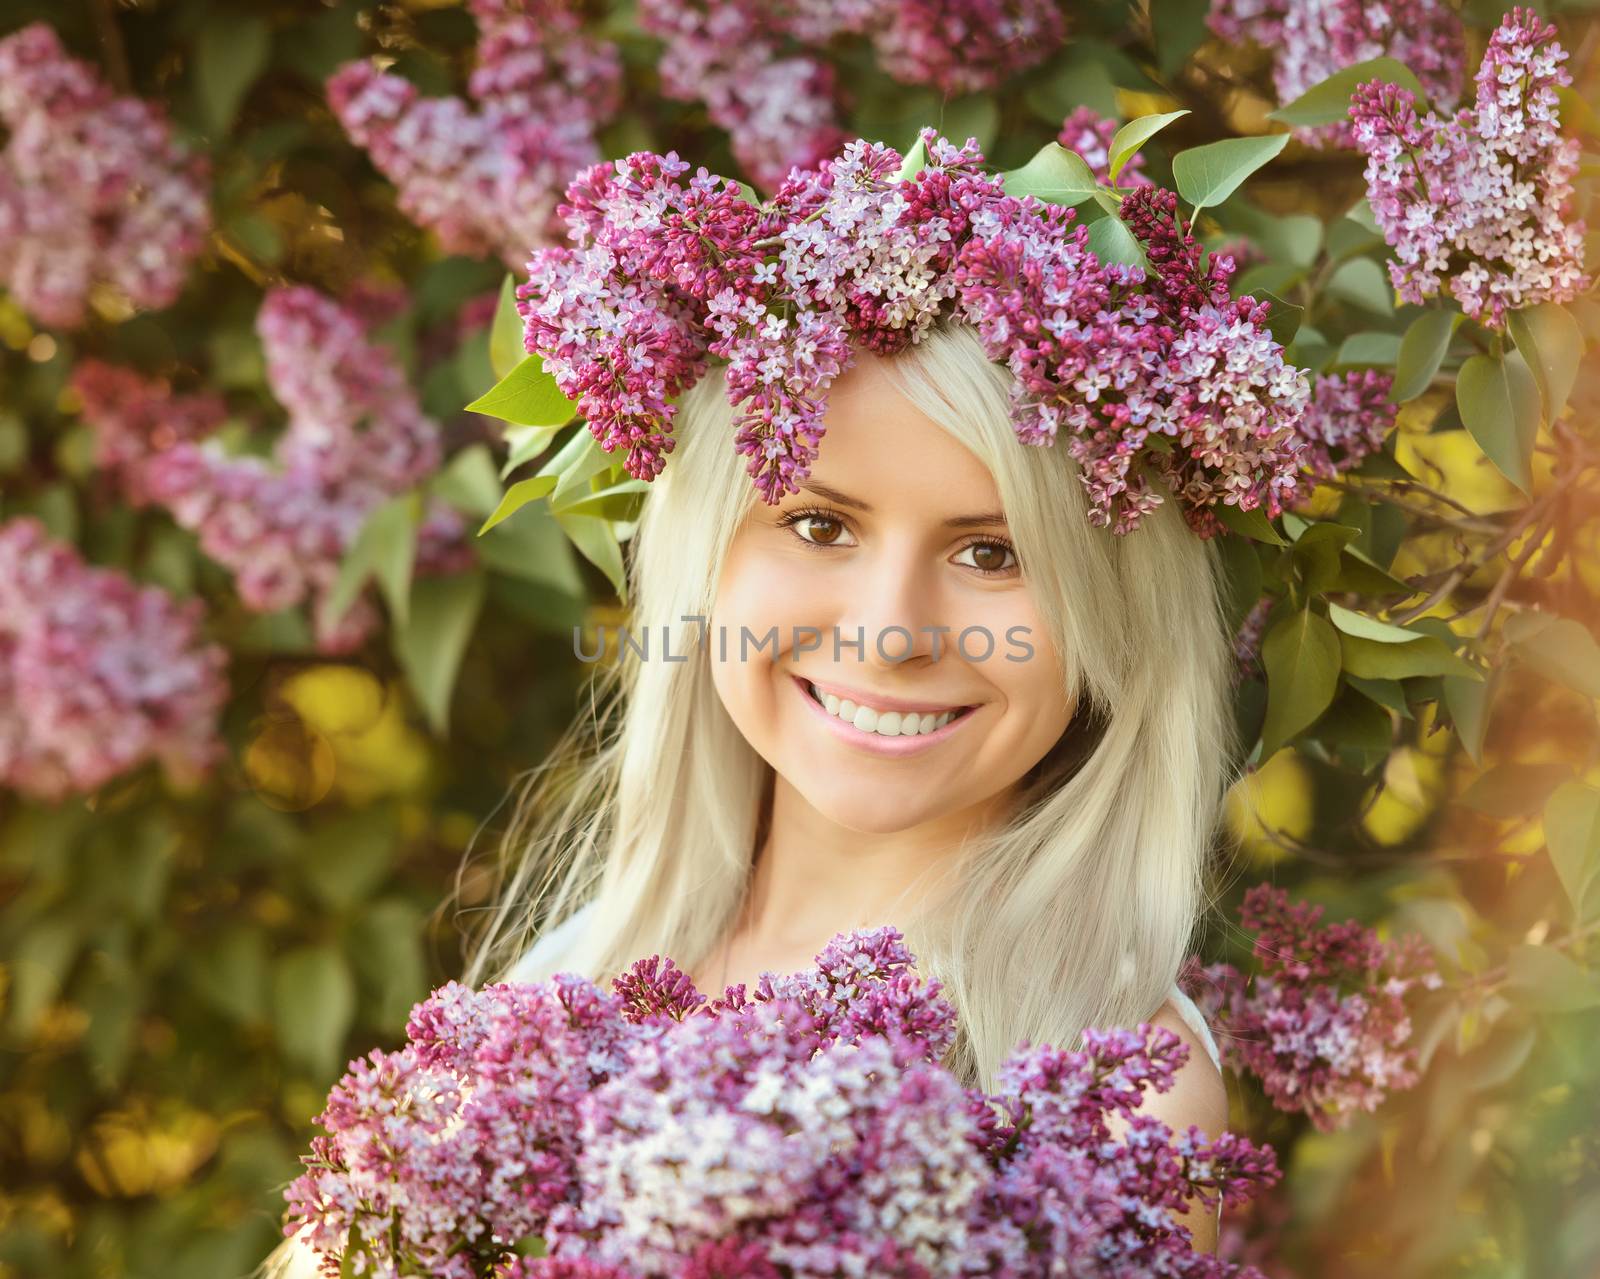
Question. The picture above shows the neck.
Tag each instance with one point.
(814, 878)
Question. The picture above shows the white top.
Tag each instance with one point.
(557, 938)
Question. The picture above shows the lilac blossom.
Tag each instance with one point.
(485, 176)
(1313, 39)
(807, 1131)
(98, 674)
(356, 437)
(1162, 370)
(95, 190)
(134, 417)
(1351, 414)
(1476, 203)
(1324, 1024)
(757, 65)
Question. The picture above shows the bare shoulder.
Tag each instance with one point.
(1198, 1094)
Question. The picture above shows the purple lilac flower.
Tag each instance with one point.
(1167, 371)
(356, 437)
(1350, 413)
(98, 675)
(1312, 39)
(94, 188)
(807, 1132)
(134, 417)
(486, 176)
(1476, 203)
(1324, 1024)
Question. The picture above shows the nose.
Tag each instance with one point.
(894, 605)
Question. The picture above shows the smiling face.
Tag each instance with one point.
(898, 526)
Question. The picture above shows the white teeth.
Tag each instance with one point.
(883, 723)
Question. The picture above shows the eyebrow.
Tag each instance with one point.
(955, 521)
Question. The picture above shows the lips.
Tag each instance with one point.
(876, 742)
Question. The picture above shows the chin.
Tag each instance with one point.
(868, 806)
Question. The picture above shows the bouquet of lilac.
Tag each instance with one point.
(552, 1130)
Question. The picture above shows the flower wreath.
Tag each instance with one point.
(1120, 333)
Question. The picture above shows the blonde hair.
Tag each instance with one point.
(1076, 911)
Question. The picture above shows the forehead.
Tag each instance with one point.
(878, 442)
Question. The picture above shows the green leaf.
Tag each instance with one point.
(1552, 344)
(1368, 350)
(596, 540)
(1422, 351)
(1329, 100)
(527, 396)
(1469, 702)
(1209, 174)
(1301, 656)
(533, 548)
(469, 482)
(1253, 523)
(505, 334)
(444, 611)
(1561, 649)
(1283, 320)
(1359, 624)
(231, 974)
(518, 496)
(230, 53)
(1548, 980)
(1572, 831)
(1111, 241)
(524, 443)
(1378, 659)
(385, 547)
(313, 1002)
(1054, 176)
(1499, 404)
(1387, 693)
(1362, 282)
(614, 502)
(1318, 552)
(1127, 140)
(915, 161)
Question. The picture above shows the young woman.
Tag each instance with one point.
(1037, 825)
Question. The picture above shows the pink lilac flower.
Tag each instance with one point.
(356, 437)
(1162, 369)
(95, 190)
(778, 108)
(1313, 39)
(1477, 203)
(1089, 133)
(1351, 415)
(807, 1133)
(966, 46)
(98, 675)
(486, 176)
(757, 65)
(134, 417)
(1324, 1023)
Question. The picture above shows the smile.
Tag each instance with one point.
(883, 730)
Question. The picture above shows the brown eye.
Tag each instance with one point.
(990, 556)
(823, 529)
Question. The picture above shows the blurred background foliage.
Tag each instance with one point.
(185, 965)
